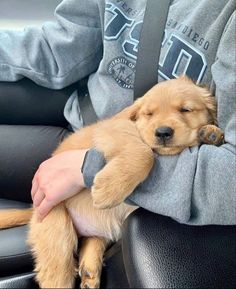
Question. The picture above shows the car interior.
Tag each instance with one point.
(154, 252)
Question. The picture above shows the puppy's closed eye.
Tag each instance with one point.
(185, 109)
(148, 113)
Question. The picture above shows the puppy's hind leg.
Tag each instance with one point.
(91, 260)
(53, 244)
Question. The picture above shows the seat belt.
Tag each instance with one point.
(149, 46)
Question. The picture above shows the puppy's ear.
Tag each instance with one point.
(131, 112)
(210, 103)
(134, 110)
(211, 107)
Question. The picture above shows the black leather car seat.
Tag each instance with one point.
(31, 126)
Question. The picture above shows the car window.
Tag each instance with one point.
(16, 14)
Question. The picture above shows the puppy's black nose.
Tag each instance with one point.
(164, 132)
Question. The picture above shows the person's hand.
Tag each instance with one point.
(57, 179)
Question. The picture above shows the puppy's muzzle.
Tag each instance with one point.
(164, 134)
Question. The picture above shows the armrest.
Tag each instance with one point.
(161, 253)
(24, 102)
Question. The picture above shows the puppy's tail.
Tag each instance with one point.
(15, 217)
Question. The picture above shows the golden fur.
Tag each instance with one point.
(127, 141)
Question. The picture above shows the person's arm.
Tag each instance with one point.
(199, 185)
(58, 53)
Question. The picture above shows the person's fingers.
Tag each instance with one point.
(35, 186)
(38, 198)
(43, 209)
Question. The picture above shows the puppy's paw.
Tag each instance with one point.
(108, 190)
(89, 275)
(211, 134)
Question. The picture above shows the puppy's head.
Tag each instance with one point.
(170, 114)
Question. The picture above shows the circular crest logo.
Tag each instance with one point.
(123, 71)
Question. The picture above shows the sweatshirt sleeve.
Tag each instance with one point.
(198, 186)
(58, 53)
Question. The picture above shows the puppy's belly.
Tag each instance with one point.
(84, 225)
(89, 221)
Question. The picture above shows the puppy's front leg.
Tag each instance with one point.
(53, 243)
(129, 163)
(211, 134)
(118, 179)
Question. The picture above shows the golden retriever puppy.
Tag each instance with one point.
(170, 117)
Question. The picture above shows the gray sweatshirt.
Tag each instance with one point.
(99, 39)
